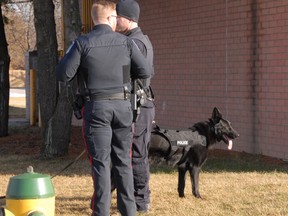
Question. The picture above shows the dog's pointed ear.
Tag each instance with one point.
(216, 114)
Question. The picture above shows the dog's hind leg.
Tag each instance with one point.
(194, 176)
(181, 179)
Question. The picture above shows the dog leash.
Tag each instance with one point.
(66, 167)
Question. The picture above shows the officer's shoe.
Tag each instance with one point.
(144, 210)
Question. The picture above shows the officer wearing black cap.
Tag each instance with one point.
(107, 60)
(128, 12)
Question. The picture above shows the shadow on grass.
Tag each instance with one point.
(218, 160)
(17, 112)
(16, 164)
(224, 161)
(243, 162)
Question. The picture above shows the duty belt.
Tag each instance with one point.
(115, 96)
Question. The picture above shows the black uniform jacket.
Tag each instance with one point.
(105, 59)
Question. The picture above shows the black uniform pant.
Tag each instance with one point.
(107, 127)
(140, 161)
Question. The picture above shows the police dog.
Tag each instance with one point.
(191, 158)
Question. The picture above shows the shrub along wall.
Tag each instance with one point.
(230, 54)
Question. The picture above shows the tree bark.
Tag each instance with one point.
(72, 21)
(55, 102)
(72, 30)
(4, 80)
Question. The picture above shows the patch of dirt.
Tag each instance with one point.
(26, 140)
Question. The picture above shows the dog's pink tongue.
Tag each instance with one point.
(230, 145)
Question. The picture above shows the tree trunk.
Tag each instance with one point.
(72, 21)
(72, 30)
(55, 103)
(4, 80)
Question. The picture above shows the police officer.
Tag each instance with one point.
(104, 58)
(128, 12)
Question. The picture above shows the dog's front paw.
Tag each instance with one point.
(181, 195)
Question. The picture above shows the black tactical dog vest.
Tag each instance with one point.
(180, 142)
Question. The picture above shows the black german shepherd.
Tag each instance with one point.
(192, 157)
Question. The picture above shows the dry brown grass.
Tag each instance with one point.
(19, 102)
(230, 186)
(17, 107)
(17, 78)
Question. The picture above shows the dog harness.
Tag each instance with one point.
(180, 142)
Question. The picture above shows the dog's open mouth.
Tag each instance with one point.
(228, 141)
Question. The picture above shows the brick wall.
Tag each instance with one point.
(229, 54)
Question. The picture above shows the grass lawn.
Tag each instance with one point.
(230, 184)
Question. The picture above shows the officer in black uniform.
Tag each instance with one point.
(107, 60)
(128, 12)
